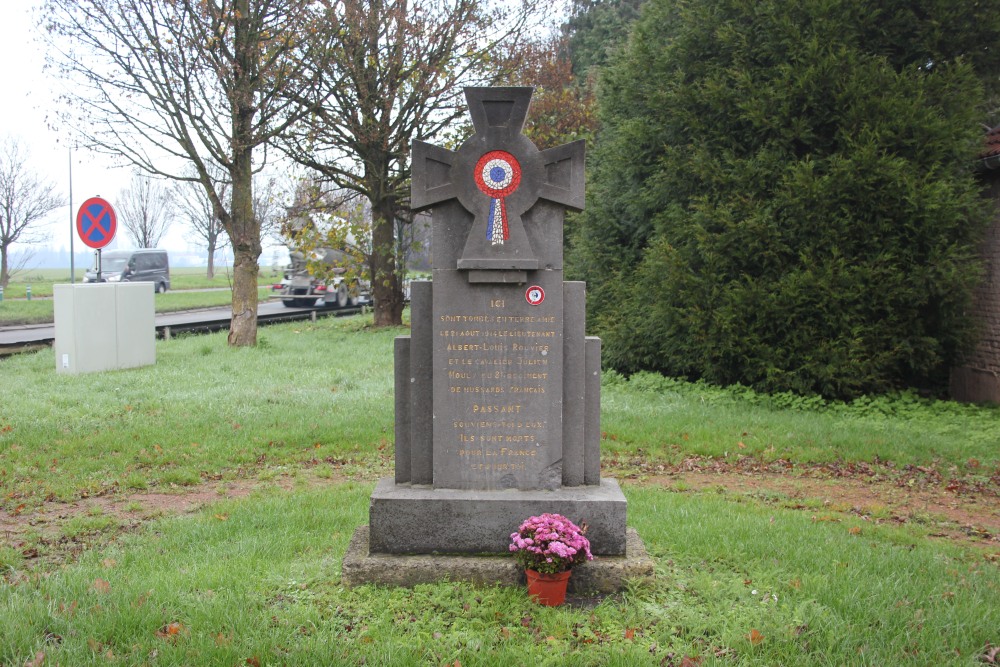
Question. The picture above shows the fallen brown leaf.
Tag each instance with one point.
(170, 630)
(69, 610)
(755, 636)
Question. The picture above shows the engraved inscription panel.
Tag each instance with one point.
(497, 387)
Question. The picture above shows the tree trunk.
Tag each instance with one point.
(245, 234)
(243, 328)
(244, 229)
(4, 276)
(385, 282)
(211, 258)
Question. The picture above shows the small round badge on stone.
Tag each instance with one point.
(535, 295)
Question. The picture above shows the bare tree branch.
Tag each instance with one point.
(397, 76)
(197, 211)
(142, 209)
(25, 200)
(177, 86)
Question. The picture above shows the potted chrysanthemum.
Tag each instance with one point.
(548, 546)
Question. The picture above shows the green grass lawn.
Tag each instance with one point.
(306, 419)
(183, 278)
(256, 582)
(668, 420)
(39, 311)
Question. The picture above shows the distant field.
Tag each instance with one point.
(41, 280)
(183, 294)
(39, 311)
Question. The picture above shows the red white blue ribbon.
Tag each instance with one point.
(497, 175)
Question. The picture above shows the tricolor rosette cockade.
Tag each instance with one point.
(497, 175)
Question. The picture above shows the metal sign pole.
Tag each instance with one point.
(72, 220)
(98, 265)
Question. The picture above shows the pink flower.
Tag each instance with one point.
(550, 543)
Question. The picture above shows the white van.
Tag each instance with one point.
(146, 265)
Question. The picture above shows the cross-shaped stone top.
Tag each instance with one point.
(497, 175)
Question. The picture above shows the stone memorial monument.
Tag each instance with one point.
(497, 386)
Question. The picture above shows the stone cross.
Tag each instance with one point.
(498, 175)
(497, 385)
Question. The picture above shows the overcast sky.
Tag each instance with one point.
(26, 114)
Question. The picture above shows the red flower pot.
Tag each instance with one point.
(548, 589)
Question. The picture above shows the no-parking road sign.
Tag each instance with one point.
(96, 223)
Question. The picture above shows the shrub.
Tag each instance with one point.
(782, 195)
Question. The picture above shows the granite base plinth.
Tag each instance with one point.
(407, 519)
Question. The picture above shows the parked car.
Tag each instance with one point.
(132, 266)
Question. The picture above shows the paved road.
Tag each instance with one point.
(209, 319)
(48, 297)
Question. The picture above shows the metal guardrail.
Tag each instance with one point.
(219, 324)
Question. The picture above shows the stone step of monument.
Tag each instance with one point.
(602, 576)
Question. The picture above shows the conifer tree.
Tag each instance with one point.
(782, 194)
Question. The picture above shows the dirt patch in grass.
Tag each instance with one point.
(166, 504)
(56, 532)
(941, 510)
(964, 509)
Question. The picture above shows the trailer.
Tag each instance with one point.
(300, 289)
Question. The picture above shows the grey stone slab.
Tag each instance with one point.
(543, 223)
(602, 576)
(401, 361)
(449, 227)
(497, 383)
(513, 263)
(513, 277)
(433, 181)
(574, 385)
(421, 378)
(418, 520)
(565, 175)
(592, 413)
(610, 574)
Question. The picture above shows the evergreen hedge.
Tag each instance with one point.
(782, 193)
